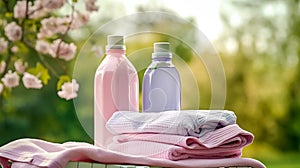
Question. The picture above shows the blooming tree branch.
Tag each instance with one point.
(36, 26)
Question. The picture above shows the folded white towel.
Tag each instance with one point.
(187, 122)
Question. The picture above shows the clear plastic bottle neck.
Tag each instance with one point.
(162, 59)
(116, 52)
(161, 62)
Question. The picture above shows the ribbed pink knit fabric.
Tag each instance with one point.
(226, 142)
(53, 155)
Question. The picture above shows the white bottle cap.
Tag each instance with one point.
(115, 42)
(162, 49)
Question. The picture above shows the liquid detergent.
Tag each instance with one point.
(161, 84)
(115, 88)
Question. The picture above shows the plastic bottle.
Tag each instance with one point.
(115, 88)
(161, 84)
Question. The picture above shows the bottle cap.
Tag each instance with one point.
(162, 49)
(115, 42)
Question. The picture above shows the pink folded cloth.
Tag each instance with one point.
(38, 153)
(226, 142)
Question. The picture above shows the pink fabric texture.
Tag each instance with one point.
(53, 155)
(226, 142)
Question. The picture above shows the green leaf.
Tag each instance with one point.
(6, 92)
(41, 72)
(8, 14)
(62, 80)
(11, 4)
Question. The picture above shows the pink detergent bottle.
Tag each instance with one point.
(115, 88)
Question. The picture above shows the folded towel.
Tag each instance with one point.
(53, 155)
(187, 122)
(225, 142)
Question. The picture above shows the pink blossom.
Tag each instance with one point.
(49, 27)
(20, 9)
(53, 4)
(90, 5)
(52, 26)
(14, 49)
(10, 79)
(55, 25)
(37, 10)
(1, 88)
(69, 90)
(20, 66)
(42, 46)
(31, 82)
(63, 50)
(13, 31)
(3, 45)
(80, 19)
(62, 24)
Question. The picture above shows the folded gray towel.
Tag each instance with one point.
(186, 122)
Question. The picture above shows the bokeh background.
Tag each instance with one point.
(258, 42)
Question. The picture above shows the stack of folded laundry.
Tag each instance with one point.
(190, 139)
(178, 135)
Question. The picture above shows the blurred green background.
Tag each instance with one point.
(259, 46)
